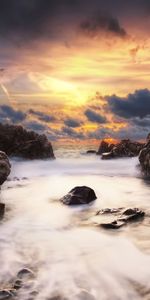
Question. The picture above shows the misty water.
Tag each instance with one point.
(70, 256)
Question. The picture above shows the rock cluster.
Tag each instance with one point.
(144, 157)
(79, 195)
(122, 217)
(5, 168)
(17, 141)
(126, 148)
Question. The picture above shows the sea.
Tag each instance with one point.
(71, 256)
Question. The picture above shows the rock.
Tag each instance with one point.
(107, 155)
(125, 148)
(17, 141)
(91, 152)
(79, 195)
(104, 147)
(144, 158)
(26, 274)
(7, 294)
(122, 217)
(5, 167)
(2, 210)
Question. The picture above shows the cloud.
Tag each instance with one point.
(42, 116)
(70, 122)
(71, 133)
(102, 22)
(134, 105)
(35, 126)
(9, 114)
(95, 117)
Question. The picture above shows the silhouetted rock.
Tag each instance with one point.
(79, 195)
(17, 141)
(91, 152)
(104, 147)
(125, 148)
(144, 158)
(122, 217)
(2, 210)
(5, 167)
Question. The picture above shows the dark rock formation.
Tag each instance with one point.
(17, 141)
(5, 167)
(125, 148)
(79, 195)
(7, 294)
(144, 158)
(104, 147)
(122, 217)
(2, 210)
(91, 152)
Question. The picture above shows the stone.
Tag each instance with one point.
(5, 167)
(122, 217)
(25, 273)
(79, 195)
(104, 147)
(144, 159)
(17, 141)
(124, 148)
(2, 210)
(91, 152)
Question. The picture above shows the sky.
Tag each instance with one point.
(76, 70)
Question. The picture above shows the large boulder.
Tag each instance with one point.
(125, 148)
(17, 141)
(79, 195)
(144, 158)
(5, 167)
(104, 147)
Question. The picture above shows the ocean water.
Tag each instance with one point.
(71, 257)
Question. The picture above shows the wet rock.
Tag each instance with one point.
(26, 274)
(91, 152)
(2, 210)
(122, 217)
(144, 158)
(17, 141)
(5, 167)
(79, 195)
(104, 147)
(125, 148)
(7, 294)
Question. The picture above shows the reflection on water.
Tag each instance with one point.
(68, 258)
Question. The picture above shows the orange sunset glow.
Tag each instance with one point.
(72, 71)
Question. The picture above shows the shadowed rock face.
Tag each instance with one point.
(144, 157)
(125, 148)
(16, 141)
(4, 167)
(79, 195)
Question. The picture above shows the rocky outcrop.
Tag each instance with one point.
(144, 158)
(121, 217)
(104, 147)
(17, 141)
(125, 148)
(4, 167)
(79, 195)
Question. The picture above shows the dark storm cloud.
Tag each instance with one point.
(71, 133)
(9, 114)
(95, 117)
(35, 126)
(102, 22)
(42, 116)
(70, 122)
(134, 105)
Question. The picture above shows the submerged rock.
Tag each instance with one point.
(91, 152)
(79, 195)
(26, 274)
(17, 141)
(122, 217)
(5, 167)
(7, 294)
